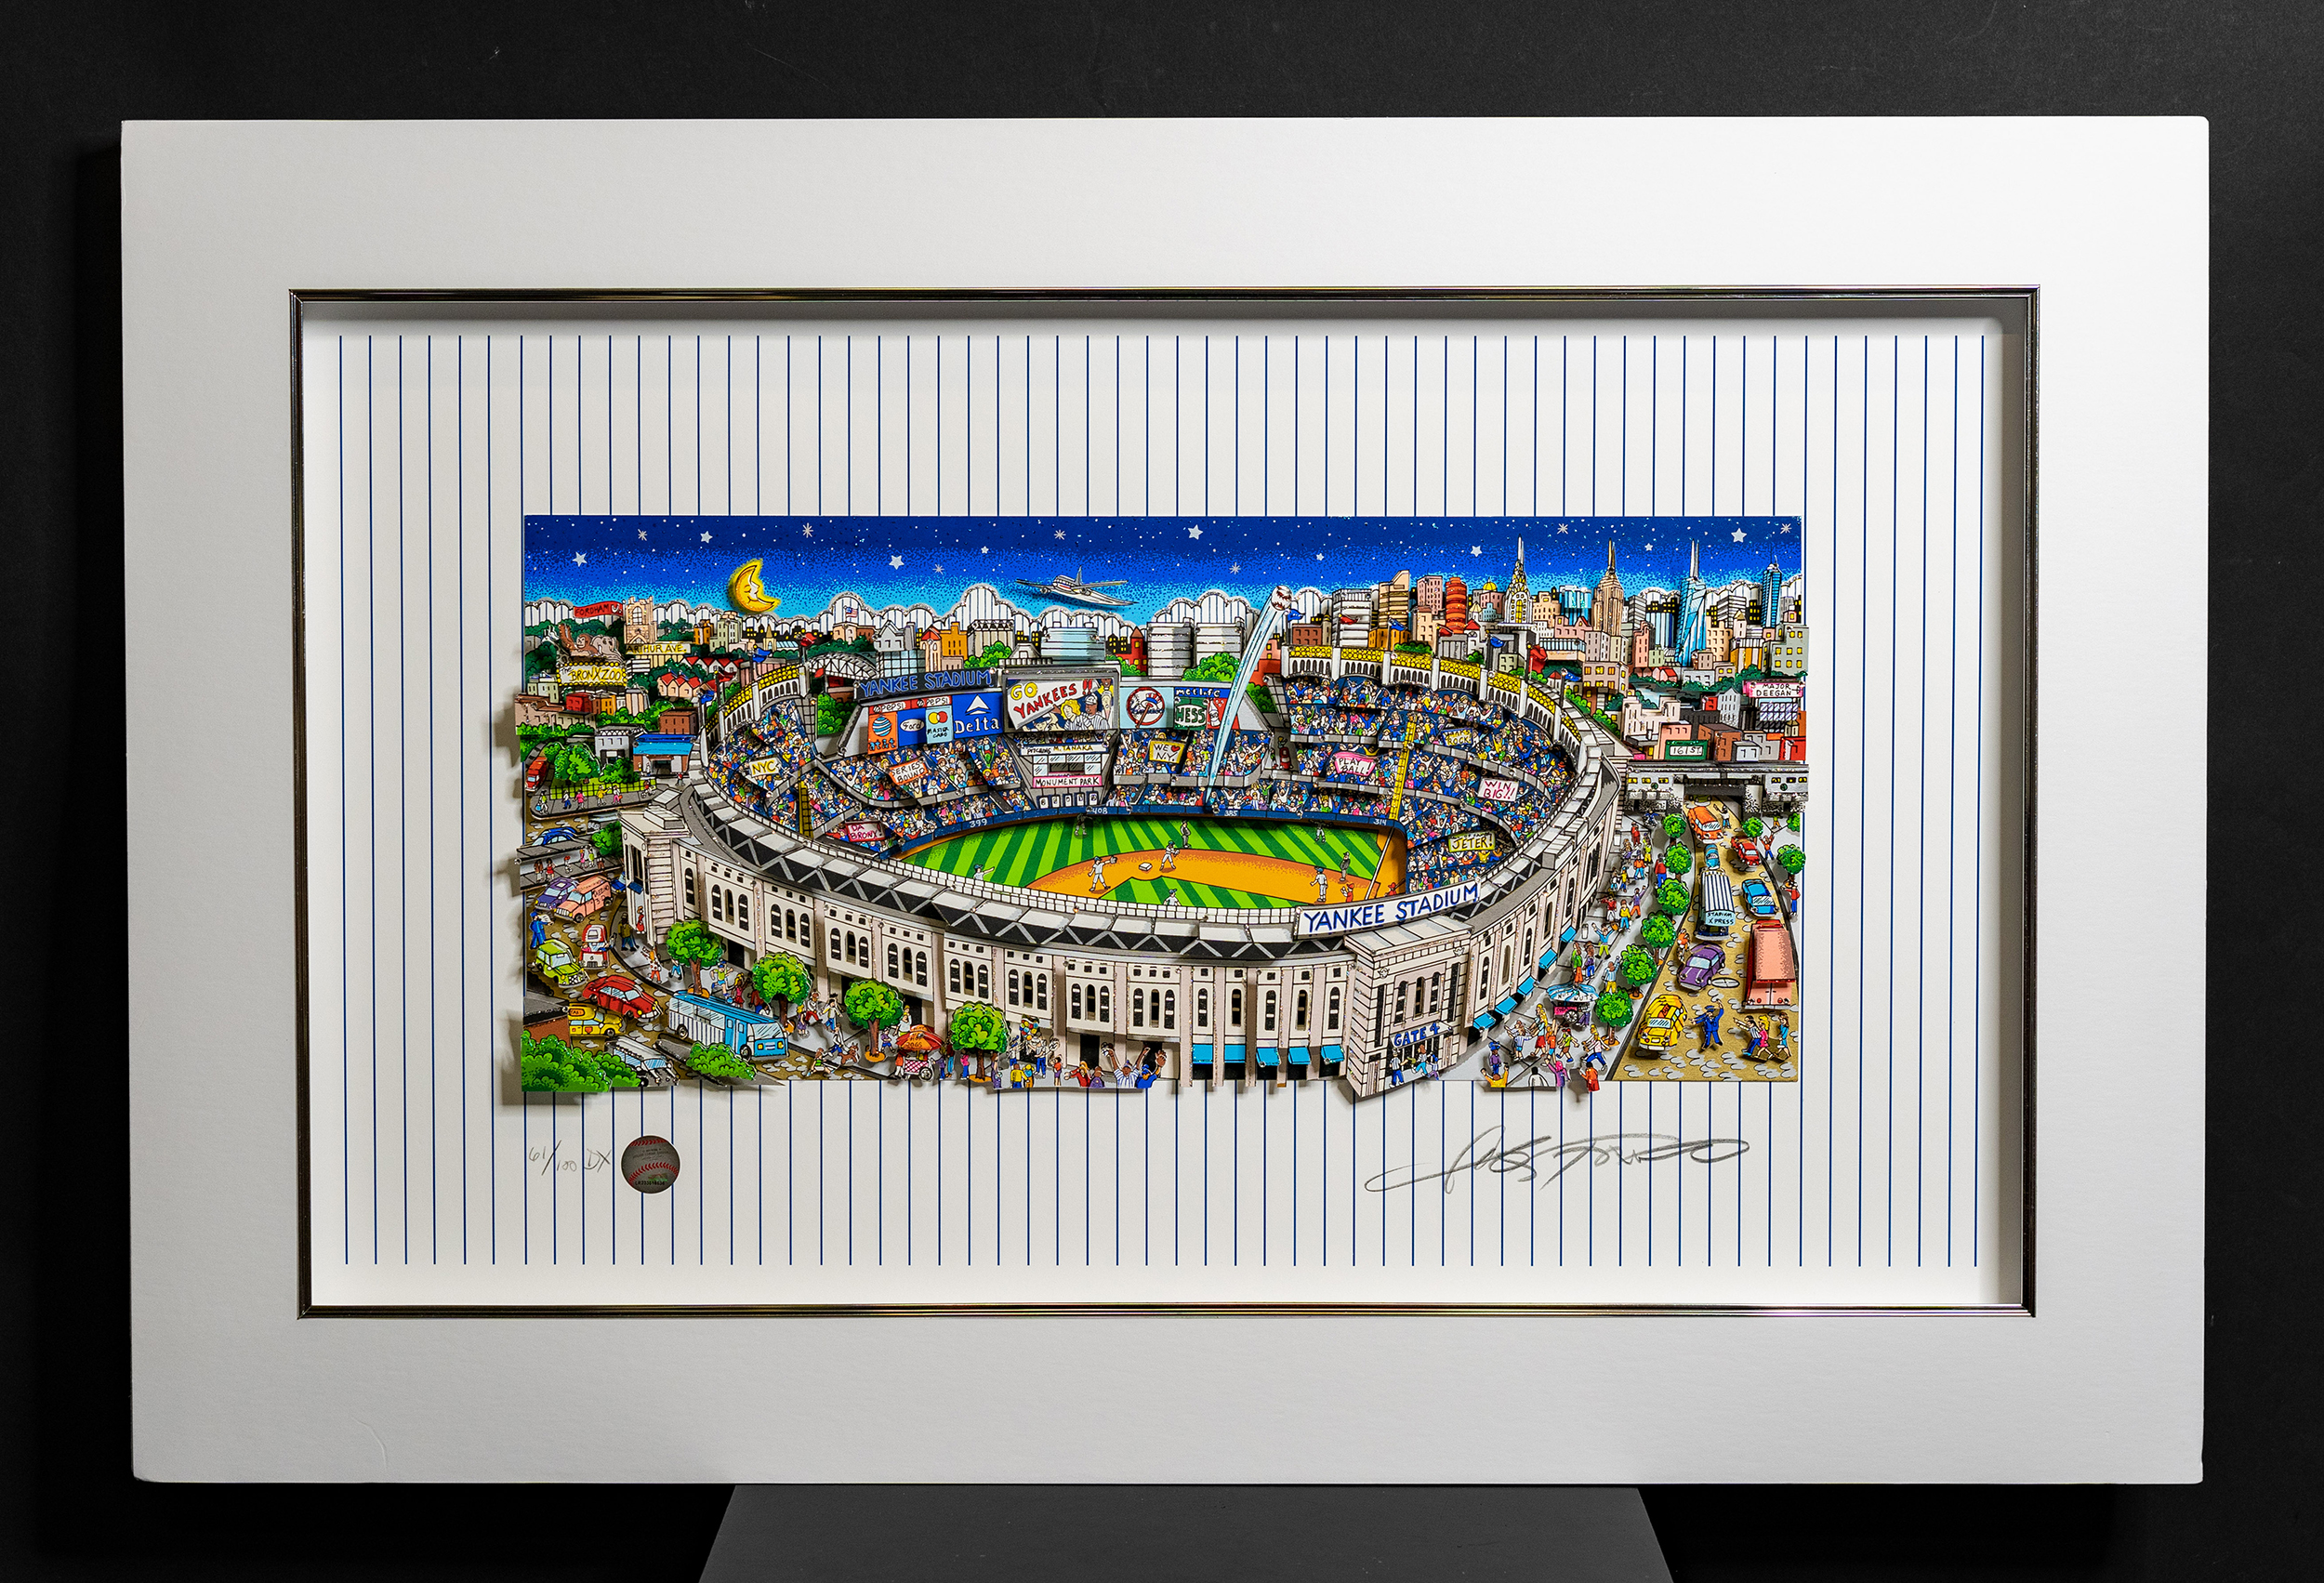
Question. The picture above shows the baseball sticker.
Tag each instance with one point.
(649, 1164)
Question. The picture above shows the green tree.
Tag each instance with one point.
(721, 1064)
(873, 1005)
(1756, 826)
(979, 1028)
(691, 942)
(778, 975)
(1660, 934)
(1792, 859)
(570, 762)
(1674, 826)
(1672, 897)
(995, 653)
(1614, 1008)
(1790, 821)
(553, 1066)
(607, 841)
(830, 715)
(1217, 668)
(1677, 859)
(1636, 967)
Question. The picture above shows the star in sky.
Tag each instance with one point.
(1561, 527)
(938, 568)
(1785, 528)
(705, 538)
(1476, 549)
(580, 560)
(1060, 533)
(809, 530)
(1739, 536)
(1319, 555)
(1194, 533)
(1236, 567)
(984, 549)
(642, 532)
(895, 560)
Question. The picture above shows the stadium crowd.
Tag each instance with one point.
(1455, 743)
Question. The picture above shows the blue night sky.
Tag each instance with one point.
(907, 560)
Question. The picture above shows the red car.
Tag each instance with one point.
(617, 992)
(1746, 853)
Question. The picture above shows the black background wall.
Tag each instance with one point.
(70, 72)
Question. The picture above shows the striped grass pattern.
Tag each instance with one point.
(1019, 854)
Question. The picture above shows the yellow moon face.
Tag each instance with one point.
(745, 592)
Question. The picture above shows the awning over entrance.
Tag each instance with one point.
(1507, 1004)
(1525, 986)
(1482, 1020)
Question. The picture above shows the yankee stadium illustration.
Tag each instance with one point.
(1106, 803)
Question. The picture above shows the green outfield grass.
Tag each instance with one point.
(1019, 854)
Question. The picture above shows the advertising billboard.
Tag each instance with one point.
(1181, 705)
(975, 714)
(593, 675)
(1693, 751)
(939, 719)
(1064, 703)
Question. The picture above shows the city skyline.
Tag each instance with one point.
(808, 561)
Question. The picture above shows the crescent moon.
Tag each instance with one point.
(745, 592)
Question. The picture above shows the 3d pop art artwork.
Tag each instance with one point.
(1108, 803)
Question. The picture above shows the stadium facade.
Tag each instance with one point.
(1503, 796)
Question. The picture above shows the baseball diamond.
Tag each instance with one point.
(1242, 865)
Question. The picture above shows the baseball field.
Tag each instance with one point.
(1218, 863)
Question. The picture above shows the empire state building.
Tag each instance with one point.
(1607, 612)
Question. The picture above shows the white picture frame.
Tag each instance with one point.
(222, 222)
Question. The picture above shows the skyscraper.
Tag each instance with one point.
(1515, 600)
(1771, 596)
(1456, 605)
(1694, 620)
(1430, 593)
(1607, 612)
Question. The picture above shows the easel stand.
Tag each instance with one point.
(1129, 1534)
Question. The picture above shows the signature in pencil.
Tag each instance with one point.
(1544, 1159)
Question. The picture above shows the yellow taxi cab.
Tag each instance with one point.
(1660, 1029)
